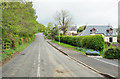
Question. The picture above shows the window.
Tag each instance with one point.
(93, 30)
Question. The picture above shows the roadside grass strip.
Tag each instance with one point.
(8, 54)
(78, 49)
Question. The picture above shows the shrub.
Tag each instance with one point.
(107, 43)
(118, 40)
(16, 42)
(95, 42)
(7, 40)
(20, 41)
(9, 52)
(48, 37)
(45, 33)
(112, 53)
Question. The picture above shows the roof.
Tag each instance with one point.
(72, 28)
(100, 29)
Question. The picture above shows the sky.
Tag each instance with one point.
(91, 12)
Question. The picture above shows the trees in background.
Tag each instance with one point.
(80, 29)
(118, 31)
(64, 19)
(19, 21)
(118, 37)
(50, 26)
(51, 30)
(54, 32)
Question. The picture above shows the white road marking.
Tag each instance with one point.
(38, 70)
(106, 62)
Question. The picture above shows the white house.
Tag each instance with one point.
(108, 32)
(72, 30)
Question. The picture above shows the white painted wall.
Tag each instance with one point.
(107, 39)
(72, 32)
(114, 39)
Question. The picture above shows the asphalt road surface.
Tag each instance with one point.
(42, 60)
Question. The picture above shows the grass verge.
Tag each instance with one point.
(68, 46)
(7, 54)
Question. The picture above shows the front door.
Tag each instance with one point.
(110, 39)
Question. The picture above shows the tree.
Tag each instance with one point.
(118, 31)
(63, 19)
(54, 32)
(49, 26)
(80, 29)
(19, 20)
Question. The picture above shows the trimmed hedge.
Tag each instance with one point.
(95, 42)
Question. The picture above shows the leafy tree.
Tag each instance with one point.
(118, 31)
(19, 19)
(80, 29)
(50, 25)
(63, 19)
(54, 32)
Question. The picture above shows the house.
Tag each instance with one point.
(72, 30)
(109, 33)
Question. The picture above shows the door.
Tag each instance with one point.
(110, 39)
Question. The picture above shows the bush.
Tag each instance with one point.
(107, 43)
(16, 42)
(112, 53)
(95, 42)
(7, 40)
(48, 37)
(118, 40)
(9, 52)
(20, 41)
(45, 33)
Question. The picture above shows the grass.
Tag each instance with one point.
(22, 47)
(78, 49)
(68, 46)
(83, 50)
(10, 52)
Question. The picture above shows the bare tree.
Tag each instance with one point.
(63, 19)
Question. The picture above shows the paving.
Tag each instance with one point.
(106, 68)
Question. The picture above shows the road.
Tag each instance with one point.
(42, 60)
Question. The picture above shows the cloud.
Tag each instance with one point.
(83, 11)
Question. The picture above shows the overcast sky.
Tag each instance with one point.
(83, 11)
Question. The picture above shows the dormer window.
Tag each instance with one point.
(110, 30)
(93, 30)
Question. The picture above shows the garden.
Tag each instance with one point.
(91, 45)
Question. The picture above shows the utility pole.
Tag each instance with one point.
(59, 34)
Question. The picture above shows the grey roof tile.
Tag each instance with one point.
(99, 29)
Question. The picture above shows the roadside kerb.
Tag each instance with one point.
(106, 75)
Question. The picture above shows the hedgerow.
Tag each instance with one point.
(95, 42)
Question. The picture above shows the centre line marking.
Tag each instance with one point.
(38, 70)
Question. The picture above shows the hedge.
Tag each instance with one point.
(112, 53)
(95, 42)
